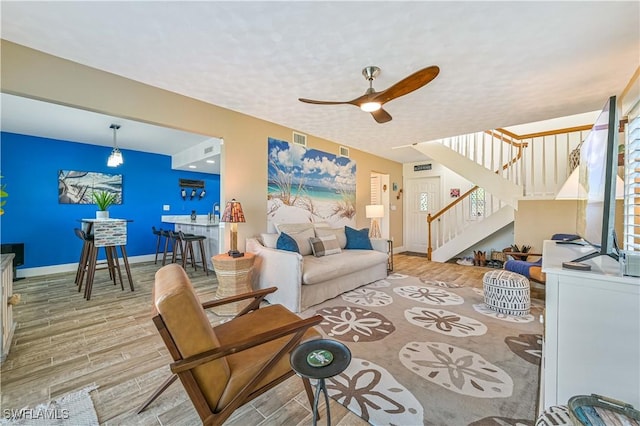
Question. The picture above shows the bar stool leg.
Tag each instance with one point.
(188, 255)
(202, 257)
(84, 270)
(93, 257)
(125, 260)
(110, 263)
(166, 249)
(116, 266)
(158, 247)
(176, 243)
(81, 262)
(185, 254)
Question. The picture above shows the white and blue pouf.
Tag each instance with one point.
(506, 292)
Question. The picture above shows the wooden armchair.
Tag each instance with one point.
(228, 365)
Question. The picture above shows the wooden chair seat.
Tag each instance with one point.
(245, 365)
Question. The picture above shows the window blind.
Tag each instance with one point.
(632, 182)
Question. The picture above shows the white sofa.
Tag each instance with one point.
(304, 280)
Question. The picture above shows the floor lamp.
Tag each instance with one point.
(374, 212)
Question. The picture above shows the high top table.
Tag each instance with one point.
(108, 233)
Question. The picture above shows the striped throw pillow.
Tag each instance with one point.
(324, 246)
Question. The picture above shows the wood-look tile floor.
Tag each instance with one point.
(64, 343)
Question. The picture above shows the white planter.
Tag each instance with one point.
(102, 214)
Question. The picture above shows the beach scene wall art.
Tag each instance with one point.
(77, 187)
(308, 185)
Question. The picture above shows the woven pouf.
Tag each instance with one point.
(506, 292)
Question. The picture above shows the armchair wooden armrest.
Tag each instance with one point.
(297, 329)
(257, 295)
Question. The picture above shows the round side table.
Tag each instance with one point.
(233, 279)
(320, 359)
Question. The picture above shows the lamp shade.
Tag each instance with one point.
(233, 212)
(573, 190)
(374, 211)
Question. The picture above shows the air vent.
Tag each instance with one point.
(344, 152)
(208, 149)
(299, 139)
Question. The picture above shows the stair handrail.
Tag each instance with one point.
(440, 213)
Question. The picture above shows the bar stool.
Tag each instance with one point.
(84, 255)
(178, 250)
(187, 251)
(158, 234)
(89, 263)
(172, 238)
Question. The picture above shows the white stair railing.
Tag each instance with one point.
(542, 167)
(538, 162)
(469, 211)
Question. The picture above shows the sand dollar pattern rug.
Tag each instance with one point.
(429, 353)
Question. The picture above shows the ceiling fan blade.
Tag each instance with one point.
(311, 101)
(357, 101)
(381, 116)
(408, 84)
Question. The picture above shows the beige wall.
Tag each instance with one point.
(538, 220)
(27, 72)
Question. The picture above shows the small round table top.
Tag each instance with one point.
(312, 361)
(224, 257)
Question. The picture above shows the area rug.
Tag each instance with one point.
(71, 409)
(431, 353)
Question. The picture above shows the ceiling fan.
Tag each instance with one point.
(372, 101)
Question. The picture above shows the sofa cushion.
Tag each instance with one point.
(301, 232)
(325, 246)
(357, 238)
(320, 269)
(269, 240)
(286, 242)
(338, 232)
(293, 228)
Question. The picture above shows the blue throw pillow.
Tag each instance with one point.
(357, 238)
(286, 242)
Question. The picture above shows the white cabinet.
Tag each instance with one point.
(592, 329)
(6, 309)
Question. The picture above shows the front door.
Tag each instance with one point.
(423, 197)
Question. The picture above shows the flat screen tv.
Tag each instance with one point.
(597, 189)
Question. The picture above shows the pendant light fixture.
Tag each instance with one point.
(115, 159)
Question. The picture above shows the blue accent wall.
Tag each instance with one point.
(29, 167)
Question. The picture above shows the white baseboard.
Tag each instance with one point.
(400, 249)
(70, 267)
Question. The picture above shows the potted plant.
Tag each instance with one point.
(103, 200)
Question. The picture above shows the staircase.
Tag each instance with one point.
(505, 168)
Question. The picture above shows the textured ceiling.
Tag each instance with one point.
(501, 63)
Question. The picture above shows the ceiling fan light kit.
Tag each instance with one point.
(372, 101)
(370, 106)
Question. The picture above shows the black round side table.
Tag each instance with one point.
(320, 359)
